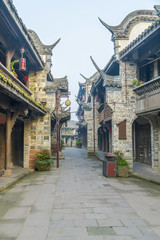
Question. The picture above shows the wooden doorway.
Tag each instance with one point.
(2, 140)
(17, 138)
(142, 141)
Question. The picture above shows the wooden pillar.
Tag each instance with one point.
(10, 121)
(9, 55)
(155, 69)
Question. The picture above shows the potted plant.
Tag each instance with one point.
(43, 161)
(122, 165)
(137, 83)
(12, 67)
(78, 143)
(62, 144)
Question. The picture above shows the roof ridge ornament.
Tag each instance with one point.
(108, 79)
(98, 69)
(42, 48)
(157, 8)
(84, 77)
(110, 28)
(122, 30)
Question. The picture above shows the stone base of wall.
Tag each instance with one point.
(90, 152)
(7, 173)
(156, 168)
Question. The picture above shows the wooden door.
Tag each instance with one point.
(2, 145)
(143, 143)
(17, 144)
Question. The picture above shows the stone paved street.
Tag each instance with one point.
(76, 202)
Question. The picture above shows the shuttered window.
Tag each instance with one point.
(122, 130)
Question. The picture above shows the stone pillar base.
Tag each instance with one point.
(7, 173)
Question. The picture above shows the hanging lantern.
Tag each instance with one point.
(67, 102)
(22, 64)
(25, 79)
(96, 98)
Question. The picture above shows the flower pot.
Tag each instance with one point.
(122, 171)
(79, 145)
(43, 167)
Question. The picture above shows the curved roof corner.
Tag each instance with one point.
(124, 28)
(42, 49)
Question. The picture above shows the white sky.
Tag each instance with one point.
(82, 35)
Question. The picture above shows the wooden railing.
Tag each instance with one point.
(148, 87)
(6, 73)
(148, 97)
(106, 114)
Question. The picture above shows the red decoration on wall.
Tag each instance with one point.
(25, 79)
(22, 65)
(96, 98)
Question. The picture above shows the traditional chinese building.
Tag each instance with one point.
(69, 133)
(128, 115)
(27, 116)
(86, 114)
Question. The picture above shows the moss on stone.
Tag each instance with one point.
(11, 84)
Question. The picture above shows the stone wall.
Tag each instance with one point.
(37, 137)
(155, 141)
(91, 135)
(123, 105)
(37, 130)
(37, 84)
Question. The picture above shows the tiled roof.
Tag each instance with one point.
(144, 35)
(24, 28)
(58, 84)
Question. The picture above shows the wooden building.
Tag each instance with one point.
(26, 109)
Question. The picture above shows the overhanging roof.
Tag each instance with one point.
(13, 91)
(11, 17)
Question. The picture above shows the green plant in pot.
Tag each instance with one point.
(43, 161)
(78, 143)
(122, 165)
(137, 82)
(62, 144)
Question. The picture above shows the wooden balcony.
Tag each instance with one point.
(13, 88)
(6, 73)
(105, 114)
(148, 97)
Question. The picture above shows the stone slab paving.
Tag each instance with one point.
(75, 202)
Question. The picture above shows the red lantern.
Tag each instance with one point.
(25, 79)
(22, 65)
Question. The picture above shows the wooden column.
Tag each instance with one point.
(9, 55)
(155, 69)
(10, 121)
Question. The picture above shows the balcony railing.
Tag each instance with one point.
(101, 107)
(6, 73)
(148, 87)
(148, 97)
(106, 114)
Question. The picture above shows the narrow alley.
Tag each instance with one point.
(75, 202)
